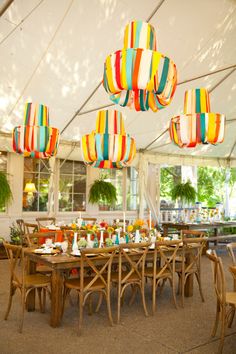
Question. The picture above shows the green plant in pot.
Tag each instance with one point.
(102, 191)
(185, 193)
(5, 190)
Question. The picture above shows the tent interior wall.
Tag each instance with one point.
(53, 52)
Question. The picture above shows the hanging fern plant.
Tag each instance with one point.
(184, 192)
(102, 191)
(5, 190)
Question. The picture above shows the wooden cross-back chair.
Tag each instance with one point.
(166, 251)
(225, 301)
(37, 238)
(30, 228)
(99, 281)
(192, 250)
(231, 247)
(133, 256)
(232, 270)
(45, 221)
(25, 283)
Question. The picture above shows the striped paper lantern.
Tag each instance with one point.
(197, 125)
(35, 138)
(109, 146)
(138, 76)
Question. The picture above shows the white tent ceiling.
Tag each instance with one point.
(53, 52)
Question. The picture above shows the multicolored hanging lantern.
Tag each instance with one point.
(197, 125)
(138, 76)
(36, 138)
(109, 146)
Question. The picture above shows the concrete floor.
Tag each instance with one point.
(185, 330)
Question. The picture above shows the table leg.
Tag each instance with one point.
(188, 290)
(56, 297)
(215, 234)
(30, 301)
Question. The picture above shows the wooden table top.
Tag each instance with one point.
(202, 224)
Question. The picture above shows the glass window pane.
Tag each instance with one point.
(66, 184)
(116, 178)
(44, 183)
(65, 202)
(79, 202)
(43, 202)
(79, 184)
(67, 167)
(44, 166)
(132, 189)
(79, 168)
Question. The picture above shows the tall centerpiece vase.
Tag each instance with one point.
(137, 236)
(117, 241)
(75, 242)
(101, 241)
(90, 243)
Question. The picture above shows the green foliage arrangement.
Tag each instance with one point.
(5, 190)
(184, 192)
(102, 191)
(15, 234)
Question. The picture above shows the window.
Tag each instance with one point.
(72, 186)
(3, 168)
(132, 199)
(37, 173)
(116, 178)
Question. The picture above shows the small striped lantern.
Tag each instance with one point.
(138, 76)
(109, 146)
(36, 138)
(197, 125)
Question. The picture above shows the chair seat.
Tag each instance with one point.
(132, 278)
(37, 280)
(231, 298)
(149, 272)
(75, 283)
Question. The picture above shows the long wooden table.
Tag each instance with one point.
(61, 263)
(197, 226)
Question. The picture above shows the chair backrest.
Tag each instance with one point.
(30, 228)
(102, 271)
(167, 250)
(134, 255)
(196, 245)
(20, 224)
(232, 270)
(37, 238)
(14, 253)
(192, 233)
(218, 276)
(43, 222)
(231, 247)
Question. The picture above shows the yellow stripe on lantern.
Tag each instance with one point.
(155, 63)
(98, 121)
(84, 148)
(203, 100)
(92, 148)
(126, 37)
(123, 70)
(148, 37)
(109, 75)
(211, 127)
(134, 31)
(119, 148)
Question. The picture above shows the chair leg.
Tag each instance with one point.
(90, 305)
(99, 302)
(118, 302)
(200, 286)
(22, 310)
(142, 288)
(134, 291)
(231, 316)
(39, 291)
(12, 292)
(172, 284)
(108, 300)
(183, 279)
(222, 332)
(66, 292)
(153, 296)
(44, 299)
(213, 333)
(81, 308)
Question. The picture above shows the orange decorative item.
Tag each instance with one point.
(197, 125)
(138, 76)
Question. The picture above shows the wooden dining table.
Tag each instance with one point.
(60, 264)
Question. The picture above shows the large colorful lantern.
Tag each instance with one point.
(197, 125)
(36, 138)
(138, 76)
(109, 146)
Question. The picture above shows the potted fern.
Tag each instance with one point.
(5, 190)
(102, 191)
(185, 193)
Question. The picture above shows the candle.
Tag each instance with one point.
(124, 222)
(80, 215)
(150, 219)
